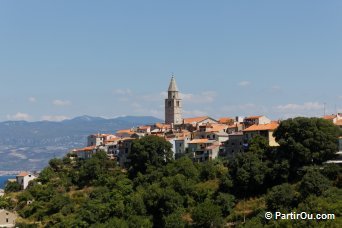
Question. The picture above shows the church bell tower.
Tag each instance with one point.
(173, 105)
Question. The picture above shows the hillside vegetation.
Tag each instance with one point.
(158, 191)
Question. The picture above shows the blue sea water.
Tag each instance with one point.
(3, 180)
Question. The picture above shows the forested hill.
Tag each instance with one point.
(42, 133)
(158, 191)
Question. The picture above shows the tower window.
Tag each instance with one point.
(169, 103)
(177, 103)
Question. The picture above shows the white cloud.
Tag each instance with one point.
(19, 116)
(32, 99)
(61, 102)
(306, 109)
(54, 118)
(204, 97)
(301, 107)
(123, 92)
(244, 83)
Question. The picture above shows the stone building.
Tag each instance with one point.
(7, 218)
(173, 105)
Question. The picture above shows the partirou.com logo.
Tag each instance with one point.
(298, 216)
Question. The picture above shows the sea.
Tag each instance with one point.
(3, 180)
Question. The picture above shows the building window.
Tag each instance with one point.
(169, 103)
(6, 220)
(177, 103)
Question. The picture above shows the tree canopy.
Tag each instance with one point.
(307, 141)
(158, 191)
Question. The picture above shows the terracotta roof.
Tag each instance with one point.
(234, 125)
(196, 141)
(329, 117)
(225, 120)
(112, 140)
(144, 127)
(124, 131)
(23, 174)
(216, 127)
(262, 127)
(163, 126)
(89, 148)
(253, 117)
(194, 119)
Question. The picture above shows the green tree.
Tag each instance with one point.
(151, 151)
(12, 187)
(226, 202)
(281, 198)
(313, 183)
(207, 214)
(249, 172)
(5, 202)
(175, 220)
(307, 141)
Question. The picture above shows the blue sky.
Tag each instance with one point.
(61, 59)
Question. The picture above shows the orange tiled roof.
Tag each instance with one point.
(329, 117)
(89, 148)
(144, 127)
(225, 120)
(216, 127)
(194, 119)
(162, 126)
(262, 127)
(195, 141)
(112, 140)
(234, 125)
(23, 174)
(124, 131)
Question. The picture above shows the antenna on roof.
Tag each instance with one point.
(324, 107)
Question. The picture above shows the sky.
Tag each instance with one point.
(62, 59)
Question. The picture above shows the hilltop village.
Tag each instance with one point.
(201, 138)
(141, 185)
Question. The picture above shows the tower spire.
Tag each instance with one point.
(173, 86)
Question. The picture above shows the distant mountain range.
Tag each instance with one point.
(29, 145)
